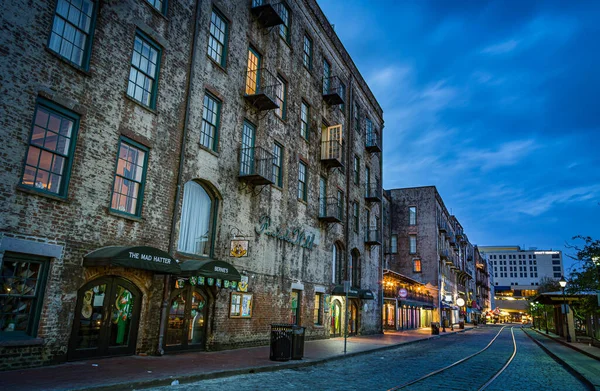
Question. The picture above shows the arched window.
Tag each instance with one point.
(197, 215)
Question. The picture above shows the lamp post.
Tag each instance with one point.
(563, 284)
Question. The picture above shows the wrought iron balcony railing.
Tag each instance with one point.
(261, 89)
(256, 165)
(333, 153)
(373, 191)
(333, 91)
(372, 140)
(330, 210)
(267, 12)
(442, 226)
(372, 236)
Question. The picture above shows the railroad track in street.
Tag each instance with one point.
(486, 361)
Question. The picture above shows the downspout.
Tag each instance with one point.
(382, 249)
(167, 278)
(347, 226)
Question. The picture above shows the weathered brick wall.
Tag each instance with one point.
(82, 222)
(277, 262)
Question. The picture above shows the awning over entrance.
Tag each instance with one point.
(338, 290)
(210, 268)
(366, 294)
(136, 257)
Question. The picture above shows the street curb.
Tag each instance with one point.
(234, 372)
(563, 363)
(567, 344)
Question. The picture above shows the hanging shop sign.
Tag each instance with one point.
(238, 248)
(296, 236)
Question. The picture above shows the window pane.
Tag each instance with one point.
(131, 165)
(144, 61)
(71, 29)
(48, 152)
(210, 117)
(216, 39)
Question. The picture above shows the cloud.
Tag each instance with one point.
(506, 154)
(501, 48)
(545, 202)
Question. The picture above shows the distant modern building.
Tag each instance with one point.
(517, 274)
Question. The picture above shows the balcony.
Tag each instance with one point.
(333, 153)
(451, 239)
(333, 91)
(372, 236)
(267, 12)
(261, 89)
(442, 226)
(459, 233)
(330, 210)
(445, 255)
(373, 192)
(372, 141)
(256, 166)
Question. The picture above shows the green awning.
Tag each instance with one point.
(136, 257)
(210, 268)
(338, 290)
(366, 294)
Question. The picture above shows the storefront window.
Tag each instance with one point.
(317, 318)
(21, 290)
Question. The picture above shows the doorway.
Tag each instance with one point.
(187, 320)
(353, 319)
(106, 319)
(336, 319)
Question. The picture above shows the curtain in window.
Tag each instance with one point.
(195, 226)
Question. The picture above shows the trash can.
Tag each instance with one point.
(461, 324)
(298, 333)
(435, 328)
(281, 342)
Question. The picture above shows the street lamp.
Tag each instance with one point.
(563, 284)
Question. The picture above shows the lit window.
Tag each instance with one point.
(317, 318)
(210, 122)
(71, 35)
(143, 75)
(130, 177)
(307, 53)
(51, 149)
(217, 50)
(417, 265)
(302, 180)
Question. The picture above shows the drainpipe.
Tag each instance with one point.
(167, 278)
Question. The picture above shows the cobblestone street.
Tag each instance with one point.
(532, 369)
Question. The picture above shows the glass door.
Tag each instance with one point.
(253, 73)
(336, 319)
(353, 326)
(106, 319)
(187, 320)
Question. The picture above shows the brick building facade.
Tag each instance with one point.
(144, 140)
(427, 245)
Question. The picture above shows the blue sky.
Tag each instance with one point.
(495, 103)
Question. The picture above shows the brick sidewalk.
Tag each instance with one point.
(137, 371)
